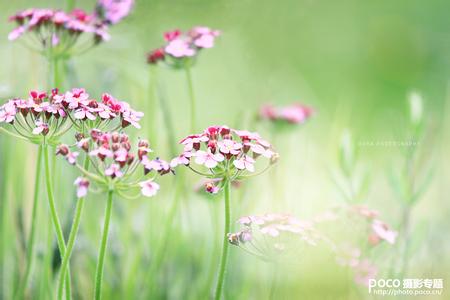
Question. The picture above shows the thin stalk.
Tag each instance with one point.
(54, 215)
(191, 97)
(151, 104)
(102, 250)
(166, 234)
(72, 237)
(273, 285)
(224, 257)
(32, 234)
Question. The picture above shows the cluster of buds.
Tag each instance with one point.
(67, 33)
(115, 163)
(225, 153)
(269, 235)
(183, 46)
(293, 114)
(47, 114)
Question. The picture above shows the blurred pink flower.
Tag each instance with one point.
(245, 163)
(208, 159)
(149, 188)
(82, 186)
(113, 171)
(364, 271)
(114, 11)
(179, 48)
(294, 114)
(41, 128)
(383, 231)
(8, 112)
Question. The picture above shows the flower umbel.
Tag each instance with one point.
(224, 153)
(271, 236)
(116, 165)
(182, 47)
(50, 115)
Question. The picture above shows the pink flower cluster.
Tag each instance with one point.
(54, 27)
(221, 149)
(184, 45)
(113, 11)
(363, 269)
(113, 160)
(378, 230)
(293, 114)
(277, 233)
(41, 110)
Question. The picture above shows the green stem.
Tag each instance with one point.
(223, 260)
(32, 235)
(101, 254)
(54, 215)
(191, 97)
(72, 237)
(151, 104)
(166, 234)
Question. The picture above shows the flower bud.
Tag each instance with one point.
(62, 149)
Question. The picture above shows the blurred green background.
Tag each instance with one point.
(354, 61)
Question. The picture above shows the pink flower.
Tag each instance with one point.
(172, 35)
(114, 171)
(132, 117)
(203, 36)
(182, 159)
(41, 128)
(245, 163)
(159, 165)
(72, 157)
(82, 186)
(208, 159)
(115, 10)
(229, 147)
(8, 112)
(156, 55)
(294, 114)
(211, 188)
(149, 188)
(193, 142)
(179, 48)
(383, 231)
(16, 33)
(76, 98)
(85, 112)
(364, 271)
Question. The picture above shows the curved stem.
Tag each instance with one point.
(72, 237)
(223, 260)
(32, 234)
(101, 253)
(54, 215)
(191, 97)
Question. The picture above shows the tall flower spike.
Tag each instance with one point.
(117, 164)
(181, 47)
(52, 114)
